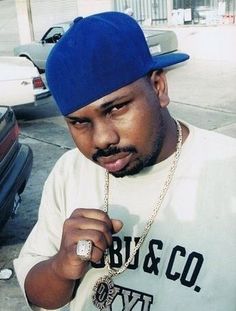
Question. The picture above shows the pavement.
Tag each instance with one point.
(202, 92)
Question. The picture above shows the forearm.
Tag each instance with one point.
(45, 288)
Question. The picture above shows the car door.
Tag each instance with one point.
(16, 86)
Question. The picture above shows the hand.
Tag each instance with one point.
(83, 224)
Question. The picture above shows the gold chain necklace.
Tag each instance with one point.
(104, 289)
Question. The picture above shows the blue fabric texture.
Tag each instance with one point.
(98, 55)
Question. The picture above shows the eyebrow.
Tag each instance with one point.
(107, 104)
(74, 118)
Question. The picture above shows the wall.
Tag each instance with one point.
(94, 6)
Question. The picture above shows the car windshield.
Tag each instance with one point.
(53, 35)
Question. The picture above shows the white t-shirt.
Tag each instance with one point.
(188, 259)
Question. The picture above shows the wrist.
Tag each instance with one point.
(58, 271)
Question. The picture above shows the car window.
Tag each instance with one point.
(53, 35)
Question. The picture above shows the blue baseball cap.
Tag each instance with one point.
(98, 55)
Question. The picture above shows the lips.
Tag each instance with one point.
(115, 162)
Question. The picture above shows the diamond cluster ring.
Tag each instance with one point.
(84, 249)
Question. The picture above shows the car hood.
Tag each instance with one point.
(14, 67)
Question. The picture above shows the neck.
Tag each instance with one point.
(170, 140)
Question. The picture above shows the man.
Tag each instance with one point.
(141, 215)
(129, 11)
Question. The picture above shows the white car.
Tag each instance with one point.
(20, 82)
(159, 42)
(37, 51)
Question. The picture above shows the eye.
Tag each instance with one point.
(78, 123)
(118, 108)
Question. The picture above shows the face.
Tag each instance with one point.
(123, 131)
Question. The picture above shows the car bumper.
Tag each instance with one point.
(13, 181)
(43, 94)
(42, 97)
(39, 99)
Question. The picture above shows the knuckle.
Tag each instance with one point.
(77, 212)
(105, 229)
(67, 223)
(98, 238)
(103, 216)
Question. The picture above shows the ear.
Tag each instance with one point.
(159, 83)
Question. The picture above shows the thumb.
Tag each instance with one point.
(117, 225)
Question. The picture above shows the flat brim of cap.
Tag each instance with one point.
(170, 59)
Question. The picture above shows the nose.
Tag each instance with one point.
(105, 135)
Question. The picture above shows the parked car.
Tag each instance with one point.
(20, 82)
(37, 51)
(15, 165)
(159, 42)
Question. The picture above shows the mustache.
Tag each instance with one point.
(112, 151)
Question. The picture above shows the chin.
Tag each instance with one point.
(138, 166)
(129, 171)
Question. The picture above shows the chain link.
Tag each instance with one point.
(114, 272)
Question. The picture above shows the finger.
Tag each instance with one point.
(96, 255)
(92, 214)
(97, 238)
(103, 231)
(117, 225)
(114, 224)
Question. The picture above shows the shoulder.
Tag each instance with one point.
(211, 143)
(69, 159)
(73, 166)
(69, 164)
(72, 155)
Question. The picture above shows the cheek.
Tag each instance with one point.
(141, 129)
(82, 142)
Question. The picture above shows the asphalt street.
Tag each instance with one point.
(202, 92)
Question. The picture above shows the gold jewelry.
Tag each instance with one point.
(104, 289)
(84, 249)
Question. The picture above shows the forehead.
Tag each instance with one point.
(125, 93)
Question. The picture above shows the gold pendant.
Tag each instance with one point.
(103, 292)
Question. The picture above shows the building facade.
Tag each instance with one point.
(35, 16)
(180, 11)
